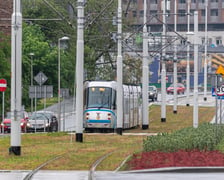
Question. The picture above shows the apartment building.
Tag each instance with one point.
(134, 12)
(215, 16)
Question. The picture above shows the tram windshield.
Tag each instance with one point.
(99, 97)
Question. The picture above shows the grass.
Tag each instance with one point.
(39, 148)
(183, 118)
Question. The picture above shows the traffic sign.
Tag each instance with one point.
(45, 91)
(219, 91)
(3, 85)
(220, 70)
(40, 78)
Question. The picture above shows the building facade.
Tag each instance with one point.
(215, 16)
(134, 12)
(5, 16)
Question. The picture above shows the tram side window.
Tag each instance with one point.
(113, 99)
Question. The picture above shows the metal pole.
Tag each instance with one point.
(59, 80)
(35, 107)
(119, 70)
(195, 111)
(220, 110)
(59, 84)
(31, 77)
(188, 54)
(64, 114)
(163, 71)
(16, 78)
(216, 100)
(79, 70)
(205, 56)
(175, 62)
(145, 71)
(3, 109)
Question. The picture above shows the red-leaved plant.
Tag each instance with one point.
(181, 158)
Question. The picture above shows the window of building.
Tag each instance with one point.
(125, 1)
(134, 1)
(218, 41)
(134, 13)
(193, 1)
(181, 12)
(153, 2)
(182, 1)
(201, 1)
(202, 12)
(214, 12)
(141, 13)
(192, 12)
(214, 1)
(153, 12)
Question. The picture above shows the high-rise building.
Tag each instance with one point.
(134, 11)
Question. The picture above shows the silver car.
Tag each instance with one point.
(152, 93)
(44, 121)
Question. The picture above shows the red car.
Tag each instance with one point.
(6, 124)
(180, 89)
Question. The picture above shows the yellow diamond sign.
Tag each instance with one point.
(220, 70)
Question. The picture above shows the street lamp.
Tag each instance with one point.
(188, 53)
(31, 77)
(205, 56)
(175, 61)
(59, 78)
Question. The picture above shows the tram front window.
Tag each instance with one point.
(99, 97)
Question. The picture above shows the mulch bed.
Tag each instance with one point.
(181, 158)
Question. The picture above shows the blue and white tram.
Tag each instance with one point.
(100, 109)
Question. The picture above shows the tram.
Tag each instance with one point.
(100, 108)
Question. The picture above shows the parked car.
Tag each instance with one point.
(6, 124)
(44, 121)
(180, 89)
(152, 93)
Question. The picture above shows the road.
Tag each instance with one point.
(207, 174)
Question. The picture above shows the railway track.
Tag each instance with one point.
(31, 173)
(91, 172)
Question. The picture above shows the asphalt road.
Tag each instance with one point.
(111, 175)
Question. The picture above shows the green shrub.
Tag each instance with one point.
(205, 137)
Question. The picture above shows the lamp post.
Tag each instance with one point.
(175, 62)
(195, 109)
(205, 56)
(145, 71)
(59, 78)
(16, 78)
(119, 70)
(163, 70)
(188, 53)
(31, 77)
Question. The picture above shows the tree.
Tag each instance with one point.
(5, 73)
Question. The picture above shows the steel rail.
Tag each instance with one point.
(95, 164)
(30, 174)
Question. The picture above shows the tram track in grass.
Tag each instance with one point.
(95, 164)
(30, 175)
(91, 172)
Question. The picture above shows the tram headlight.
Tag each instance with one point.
(87, 115)
(109, 116)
